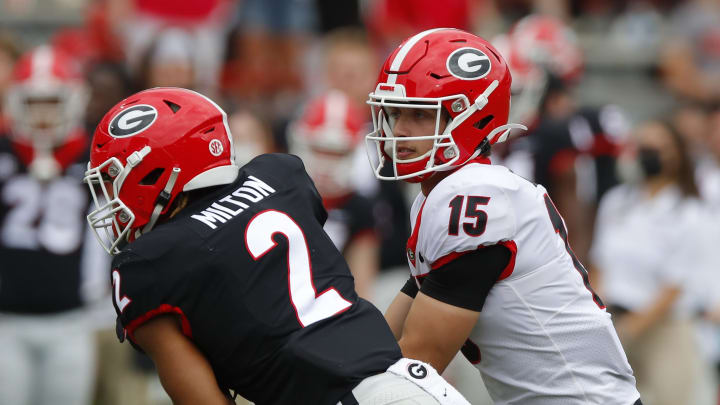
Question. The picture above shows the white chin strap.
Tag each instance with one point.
(479, 104)
(504, 132)
(499, 134)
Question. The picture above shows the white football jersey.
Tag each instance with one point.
(543, 337)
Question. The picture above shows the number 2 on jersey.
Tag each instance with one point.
(309, 306)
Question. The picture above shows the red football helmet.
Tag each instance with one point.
(326, 137)
(446, 70)
(149, 148)
(535, 47)
(47, 97)
(45, 103)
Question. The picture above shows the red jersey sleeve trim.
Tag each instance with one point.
(507, 271)
(161, 310)
(512, 247)
(447, 259)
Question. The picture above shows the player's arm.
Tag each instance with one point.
(362, 255)
(632, 325)
(448, 305)
(184, 372)
(398, 310)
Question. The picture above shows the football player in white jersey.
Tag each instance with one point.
(492, 273)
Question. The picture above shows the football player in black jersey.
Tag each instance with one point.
(327, 137)
(51, 271)
(570, 150)
(237, 287)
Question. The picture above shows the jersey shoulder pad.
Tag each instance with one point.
(287, 171)
(280, 165)
(149, 278)
(468, 209)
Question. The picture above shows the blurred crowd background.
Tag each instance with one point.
(622, 98)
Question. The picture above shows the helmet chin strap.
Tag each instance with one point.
(499, 134)
(505, 129)
(162, 200)
(133, 160)
(480, 103)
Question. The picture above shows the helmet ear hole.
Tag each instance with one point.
(152, 177)
(483, 122)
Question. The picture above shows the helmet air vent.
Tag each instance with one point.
(152, 177)
(483, 122)
(174, 107)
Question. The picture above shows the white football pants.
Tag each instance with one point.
(46, 359)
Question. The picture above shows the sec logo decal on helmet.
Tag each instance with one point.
(132, 121)
(147, 150)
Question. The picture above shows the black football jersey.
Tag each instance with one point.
(349, 218)
(259, 288)
(594, 133)
(43, 235)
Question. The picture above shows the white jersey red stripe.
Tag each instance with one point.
(542, 337)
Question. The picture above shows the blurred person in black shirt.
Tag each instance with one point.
(49, 273)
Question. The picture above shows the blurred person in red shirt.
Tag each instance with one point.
(391, 21)
(205, 23)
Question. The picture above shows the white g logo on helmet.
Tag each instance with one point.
(468, 64)
(132, 121)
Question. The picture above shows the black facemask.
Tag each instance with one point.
(649, 160)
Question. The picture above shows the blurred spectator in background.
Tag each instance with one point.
(50, 274)
(9, 53)
(391, 21)
(251, 136)
(109, 83)
(569, 149)
(265, 53)
(708, 171)
(204, 22)
(646, 253)
(691, 120)
(168, 62)
(332, 14)
(691, 59)
(326, 137)
(349, 64)
(121, 379)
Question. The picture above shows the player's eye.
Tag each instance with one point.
(392, 112)
(420, 114)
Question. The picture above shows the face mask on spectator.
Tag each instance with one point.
(650, 163)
